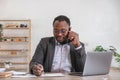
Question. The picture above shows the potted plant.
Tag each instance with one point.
(112, 49)
(7, 64)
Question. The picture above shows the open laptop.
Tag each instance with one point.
(97, 63)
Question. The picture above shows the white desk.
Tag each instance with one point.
(113, 75)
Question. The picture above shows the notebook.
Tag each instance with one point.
(97, 63)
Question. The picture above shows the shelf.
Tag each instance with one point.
(16, 62)
(17, 66)
(18, 69)
(12, 56)
(13, 50)
(14, 41)
(15, 45)
(15, 28)
(15, 20)
(14, 36)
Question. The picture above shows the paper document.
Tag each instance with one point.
(19, 73)
(43, 75)
(52, 75)
(27, 75)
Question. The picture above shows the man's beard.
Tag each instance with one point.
(64, 42)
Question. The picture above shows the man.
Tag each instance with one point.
(61, 53)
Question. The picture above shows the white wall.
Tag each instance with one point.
(96, 21)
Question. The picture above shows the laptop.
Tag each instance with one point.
(97, 63)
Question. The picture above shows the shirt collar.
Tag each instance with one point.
(57, 43)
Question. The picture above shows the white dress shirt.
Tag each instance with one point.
(61, 61)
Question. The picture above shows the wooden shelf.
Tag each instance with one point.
(18, 69)
(13, 50)
(15, 37)
(12, 56)
(15, 28)
(15, 20)
(16, 63)
(16, 42)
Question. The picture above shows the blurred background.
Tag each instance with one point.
(96, 21)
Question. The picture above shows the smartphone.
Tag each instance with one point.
(68, 40)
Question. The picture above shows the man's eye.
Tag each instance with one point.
(56, 31)
(63, 31)
(60, 31)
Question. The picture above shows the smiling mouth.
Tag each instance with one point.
(59, 39)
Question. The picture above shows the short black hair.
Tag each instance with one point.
(62, 18)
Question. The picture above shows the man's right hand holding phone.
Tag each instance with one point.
(74, 37)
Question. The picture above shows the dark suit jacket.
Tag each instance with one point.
(44, 55)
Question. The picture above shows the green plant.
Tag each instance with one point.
(7, 62)
(99, 48)
(112, 49)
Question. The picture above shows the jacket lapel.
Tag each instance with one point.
(51, 50)
(72, 56)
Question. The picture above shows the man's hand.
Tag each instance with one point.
(74, 37)
(38, 69)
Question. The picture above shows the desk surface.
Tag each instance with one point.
(113, 75)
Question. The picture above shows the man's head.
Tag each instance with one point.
(61, 27)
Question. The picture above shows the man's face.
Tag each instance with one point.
(60, 30)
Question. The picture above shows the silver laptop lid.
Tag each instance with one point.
(97, 63)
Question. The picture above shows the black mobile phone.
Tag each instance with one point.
(68, 40)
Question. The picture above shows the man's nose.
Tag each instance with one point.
(60, 34)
